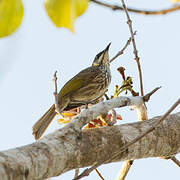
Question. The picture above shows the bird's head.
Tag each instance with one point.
(102, 58)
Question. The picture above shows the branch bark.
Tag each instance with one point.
(68, 149)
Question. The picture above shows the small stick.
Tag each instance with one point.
(87, 171)
(76, 172)
(99, 174)
(139, 11)
(129, 22)
(147, 96)
(56, 94)
(141, 112)
(122, 50)
(124, 170)
(175, 160)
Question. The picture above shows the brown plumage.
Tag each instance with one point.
(87, 86)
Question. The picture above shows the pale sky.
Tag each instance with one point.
(30, 56)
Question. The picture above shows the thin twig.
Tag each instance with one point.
(76, 173)
(124, 170)
(175, 160)
(129, 22)
(142, 111)
(147, 96)
(121, 51)
(139, 11)
(87, 171)
(56, 94)
(99, 174)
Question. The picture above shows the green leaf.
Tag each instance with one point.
(11, 14)
(64, 12)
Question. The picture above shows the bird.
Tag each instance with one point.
(86, 87)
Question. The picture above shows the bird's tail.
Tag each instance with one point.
(41, 125)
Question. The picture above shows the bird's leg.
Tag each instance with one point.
(86, 106)
(104, 118)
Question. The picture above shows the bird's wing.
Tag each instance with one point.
(80, 80)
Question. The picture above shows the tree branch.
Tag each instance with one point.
(122, 50)
(99, 174)
(139, 11)
(124, 170)
(129, 22)
(126, 146)
(66, 149)
(56, 94)
(142, 110)
(175, 160)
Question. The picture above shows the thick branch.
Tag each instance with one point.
(67, 149)
(87, 171)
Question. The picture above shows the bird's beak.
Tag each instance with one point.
(107, 48)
